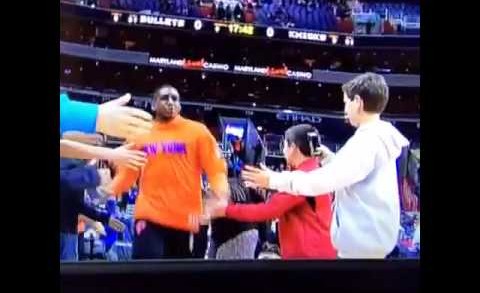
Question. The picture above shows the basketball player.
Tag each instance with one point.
(178, 150)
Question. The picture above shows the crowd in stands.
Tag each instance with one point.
(322, 15)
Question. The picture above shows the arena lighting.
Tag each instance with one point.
(334, 39)
(132, 18)
(254, 104)
(348, 41)
(270, 32)
(197, 25)
(259, 128)
(204, 76)
(116, 17)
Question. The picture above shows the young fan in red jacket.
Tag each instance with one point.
(304, 223)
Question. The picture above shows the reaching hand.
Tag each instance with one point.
(99, 228)
(128, 157)
(116, 119)
(214, 208)
(326, 155)
(256, 177)
(116, 224)
(87, 138)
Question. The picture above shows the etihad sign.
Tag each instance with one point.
(293, 117)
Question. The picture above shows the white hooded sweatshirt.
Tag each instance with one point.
(363, 174)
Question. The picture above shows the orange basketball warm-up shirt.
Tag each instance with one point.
(170, 182)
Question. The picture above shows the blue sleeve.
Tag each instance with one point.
(80, 178)
(94, 214)
(77, 116)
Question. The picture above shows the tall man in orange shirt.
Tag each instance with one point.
(178, 150)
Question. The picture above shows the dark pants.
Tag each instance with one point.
(157, 241)
(68, 247)
(200, 243)
(81, 247)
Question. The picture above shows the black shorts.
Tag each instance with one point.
(156, 241)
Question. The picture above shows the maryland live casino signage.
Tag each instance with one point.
(202, 64)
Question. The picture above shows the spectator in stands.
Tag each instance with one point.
(220, 11)
(258, 149)
(363, 175)
(369, 26)
(304, 224)
(231, 239)
(75, 177)
(238, 13)
(213, 11)
(228, 13)
(249, 13)
(355, 6)
(280, 17)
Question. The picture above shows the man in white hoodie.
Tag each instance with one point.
(362, 174)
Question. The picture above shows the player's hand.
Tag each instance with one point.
(256, 177)
(126, 156)
(118, 120)
(116, 224)
(194, 223)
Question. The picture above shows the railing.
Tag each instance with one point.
(145, 102)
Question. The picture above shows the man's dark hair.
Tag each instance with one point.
(298, 135)
(158, 89)
(371, 88)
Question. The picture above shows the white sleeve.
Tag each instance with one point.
(350, 165)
